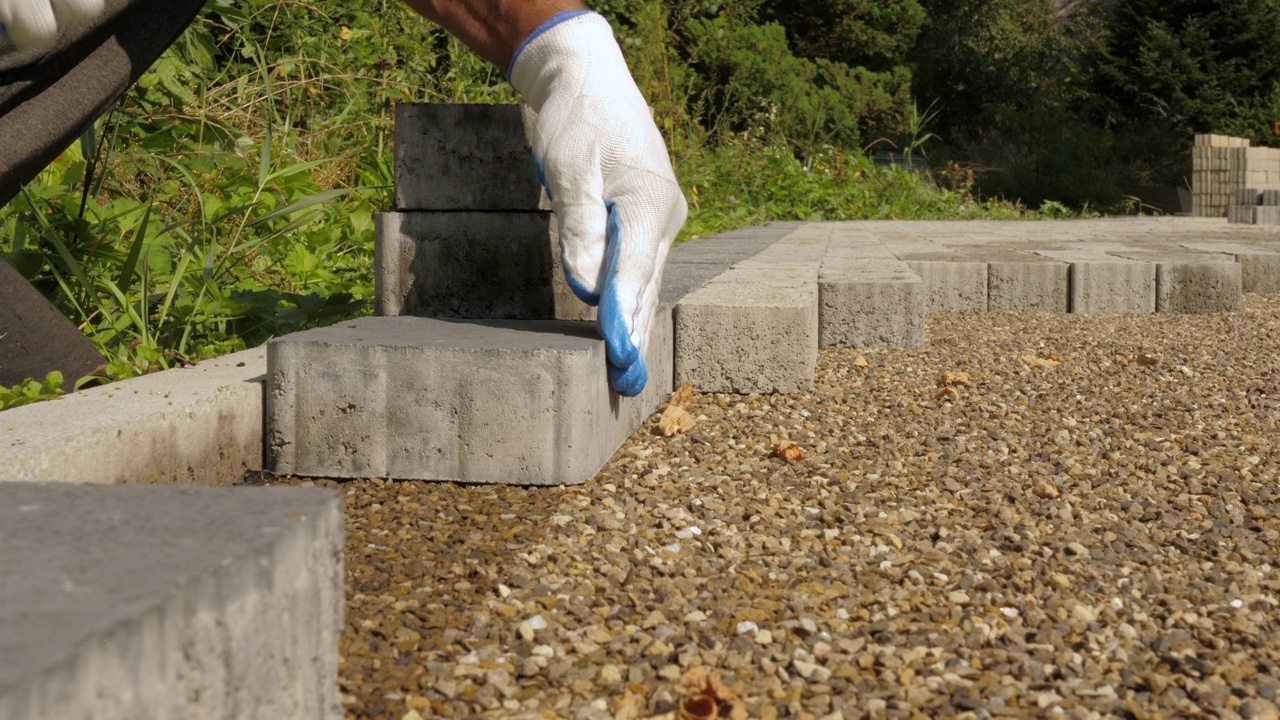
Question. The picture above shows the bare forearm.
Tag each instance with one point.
(492, 28)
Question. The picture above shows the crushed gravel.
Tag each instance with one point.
(1095, 539)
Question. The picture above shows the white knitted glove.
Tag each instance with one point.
(33, 24)
(605, 168)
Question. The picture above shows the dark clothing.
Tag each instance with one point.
(48, 97)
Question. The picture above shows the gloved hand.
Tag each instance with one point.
(605, 168)
(31, 24)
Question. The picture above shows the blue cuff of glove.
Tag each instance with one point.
(551, 22)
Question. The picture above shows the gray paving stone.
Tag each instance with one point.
(466, 265)
(1259, 272)
(465, 157)
(748, 337)
(1269, 215)
(1023, 282)
(508, 402)
(875, 304)
(160, 602)
(952, 285)
(1198, 287)
(1113, 286)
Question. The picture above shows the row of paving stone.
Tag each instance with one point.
(526, 401)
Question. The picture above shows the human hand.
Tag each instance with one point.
(31, 24)
(605, 168)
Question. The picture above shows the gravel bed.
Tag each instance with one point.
(1096, 539)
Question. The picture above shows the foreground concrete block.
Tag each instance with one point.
(1016, 285)
(747, 337)
(201, 424)
(465, 157)
(1105, 286)
(524, 403)
(465, 265)
(1259, 272)
(879, 304)
(153, 603)
(952, 285)
(1198, 287)
(1269, 215)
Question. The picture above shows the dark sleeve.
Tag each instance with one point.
(48, 97)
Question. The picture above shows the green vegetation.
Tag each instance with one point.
(32, 391)
(229, 197)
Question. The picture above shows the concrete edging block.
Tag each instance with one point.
(1028, 286)
(748, 338)
(1113, 286)
(150, 603)
(1259, 272)
(952, 285)
(201, 424)
(1199, 287)
(509, 402)
(880, 306)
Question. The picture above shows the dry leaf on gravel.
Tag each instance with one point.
(674, 420)
(860, 362)
(682, 397)
(1047, 490)
(947, 393)
(1142, 360)
(1048, 361)
(704, 696)
(954, 377)
(788, 451)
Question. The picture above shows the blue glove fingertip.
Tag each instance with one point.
(629, 382)
(610, 320)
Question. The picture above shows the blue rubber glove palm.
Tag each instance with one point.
(605, 167)
(31, 24)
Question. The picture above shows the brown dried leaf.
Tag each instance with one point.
(954, 377)
(947, 393)
(1048, 361)
(1047, 490)
(860, 362)
(703, 697)
(682, 397)
(788, 451)
(1145, 360)
(675, 420)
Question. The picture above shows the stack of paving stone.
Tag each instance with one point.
(1222, 166)
(1255, 207)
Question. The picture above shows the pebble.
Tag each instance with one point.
(906, 567)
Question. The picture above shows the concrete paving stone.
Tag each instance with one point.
(1248, 196)
(152, 603)
(952, 285)
(1112, 286)
(1191, 286)
(1259, 272)
(200, 424)
(1271, 198)
(748, 337)
(507, 402)
(1021, 284)
(465, 157)
(1269, 215)
(465, 265)
(1240, 214)
(874, 304)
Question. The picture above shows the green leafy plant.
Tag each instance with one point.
(32, 391)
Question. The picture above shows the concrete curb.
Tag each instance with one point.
(200, 425)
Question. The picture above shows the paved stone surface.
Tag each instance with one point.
(151, 603)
